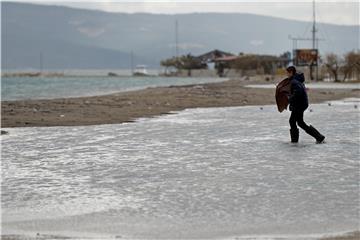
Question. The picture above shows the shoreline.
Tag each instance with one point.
(128, 106)
(348, 236)
(355, 235)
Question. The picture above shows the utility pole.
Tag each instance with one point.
(314, 27)
(314, 44)
(176, 39)
(132, 62)
(41, 63)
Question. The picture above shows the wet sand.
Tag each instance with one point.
(129, 106)
(349, 236)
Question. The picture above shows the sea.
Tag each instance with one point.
(205, 173)
(84, 83)
(24, 88)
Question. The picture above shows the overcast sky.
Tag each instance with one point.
(338, 12)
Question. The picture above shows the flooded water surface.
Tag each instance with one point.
(201, 173)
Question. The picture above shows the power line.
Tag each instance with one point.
(325, 33)
(306, 30)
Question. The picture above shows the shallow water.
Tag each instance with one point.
(20, 88)
(200, 173)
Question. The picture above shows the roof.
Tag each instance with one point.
(212, 55)
(226, 59)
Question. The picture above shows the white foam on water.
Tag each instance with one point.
(200, 173)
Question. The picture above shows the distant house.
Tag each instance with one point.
(224, 62)
(212, 56)
(218, 59)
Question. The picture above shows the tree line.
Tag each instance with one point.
(347, 66)
(339, 68)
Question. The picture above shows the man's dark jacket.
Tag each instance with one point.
(298, 98)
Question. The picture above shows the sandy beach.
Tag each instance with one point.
(350, 236)
(129, 106)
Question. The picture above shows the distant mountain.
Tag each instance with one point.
(19, 52)
(75, 38)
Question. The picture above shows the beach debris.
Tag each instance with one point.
(261, 108)
(35, 110)
(87, 102)
(329, 104)
(3, 132)
(355, 106)
(48, 236)
(310, 110)
(62, 115)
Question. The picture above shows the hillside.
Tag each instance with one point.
(76, 38)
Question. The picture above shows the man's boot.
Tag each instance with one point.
(315, 134)
(294, 134)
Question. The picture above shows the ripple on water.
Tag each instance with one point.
(226, 171)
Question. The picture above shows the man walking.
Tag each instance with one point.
(298, 101)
